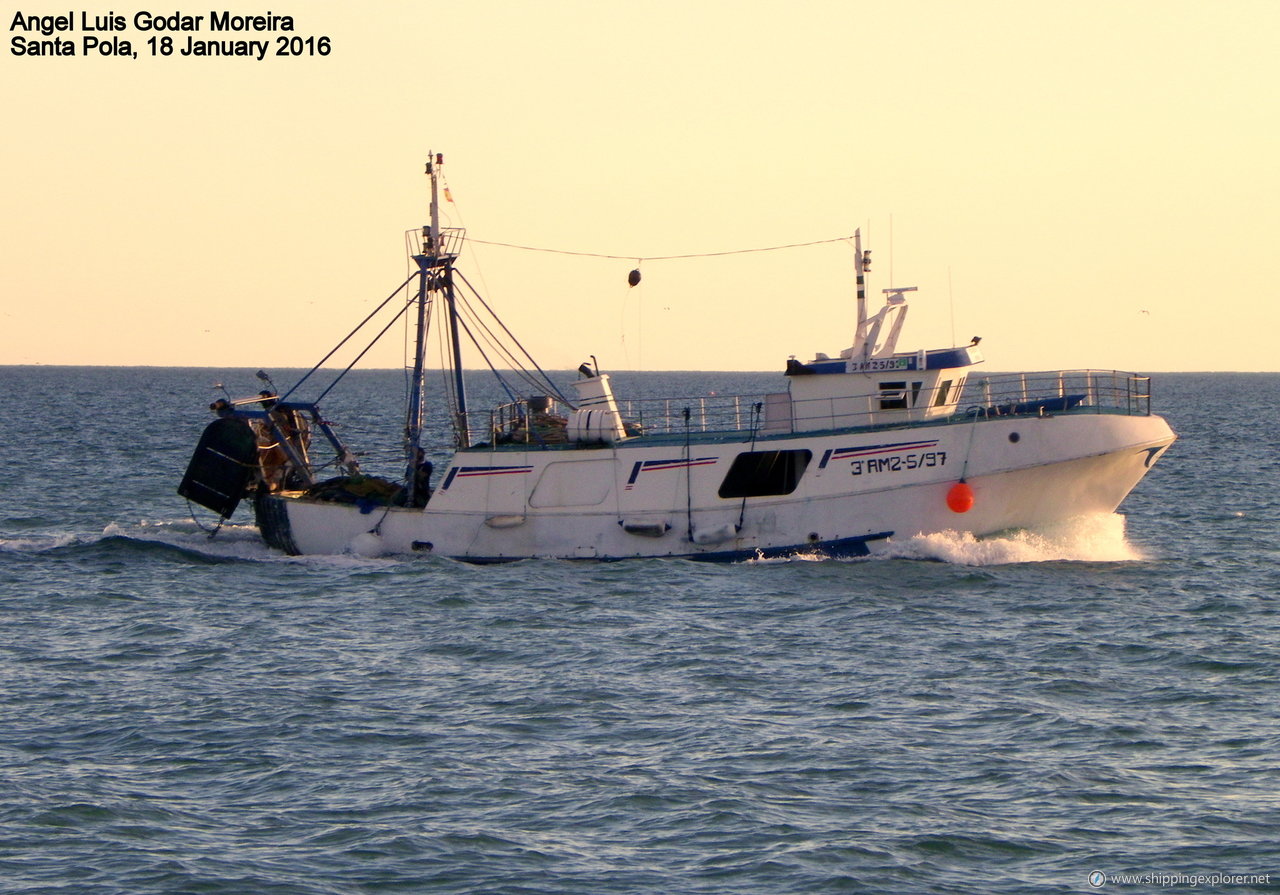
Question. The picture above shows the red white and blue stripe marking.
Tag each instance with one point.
(661, 465)
(874, 450)
(471, 472)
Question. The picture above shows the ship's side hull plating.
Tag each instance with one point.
(837, 493)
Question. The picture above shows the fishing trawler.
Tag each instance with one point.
(864, 447)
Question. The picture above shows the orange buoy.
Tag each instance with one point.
(960, 497)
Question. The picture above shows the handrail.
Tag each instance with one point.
(983, 397)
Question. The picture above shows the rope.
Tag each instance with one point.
(212, 532)
(688, 480)
(964, 468)
(408, 304)
(641, 258)
(529, 357)
(410, 397)
(492, 369)
(755, 428)
(465, 310)
(385, 301)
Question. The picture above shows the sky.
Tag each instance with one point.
(1084, 184)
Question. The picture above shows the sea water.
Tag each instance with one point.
(1088, 708)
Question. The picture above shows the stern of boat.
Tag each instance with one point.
(271, 515)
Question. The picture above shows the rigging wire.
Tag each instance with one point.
(755, 429)
(639, 315)
(447, 384)
(410, 398)
(512, 363)
(490, 337)
(512, 337)
(382, 332)
(344, 341)
(465, 313)
(495, 345)
(406, 340)
(640, 258)
(688, 480)
(496, 375)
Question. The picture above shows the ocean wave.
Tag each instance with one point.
(1093, 538)
(38, 543)
(184, 541)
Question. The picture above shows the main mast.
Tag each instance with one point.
(435, 274)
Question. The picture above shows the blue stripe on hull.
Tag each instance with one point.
(840, 548)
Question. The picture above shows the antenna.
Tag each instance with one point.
(890, 247)
(951, 298)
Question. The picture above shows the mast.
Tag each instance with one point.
(445, 259)
(863, 263)
(413, 424)
(435, 274)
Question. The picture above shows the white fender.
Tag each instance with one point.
(368, 545)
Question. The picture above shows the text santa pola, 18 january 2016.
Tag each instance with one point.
(170, 34)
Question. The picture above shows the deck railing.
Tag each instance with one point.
(990, 396)
(1100, 391)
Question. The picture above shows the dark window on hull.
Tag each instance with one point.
(943, 391)
(893, 396)
(765, 473)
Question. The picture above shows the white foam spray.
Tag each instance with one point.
(1093, 538)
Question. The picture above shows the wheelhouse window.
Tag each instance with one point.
(943, 391)
(893, 396)
(765, 473)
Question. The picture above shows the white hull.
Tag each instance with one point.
(654, 498)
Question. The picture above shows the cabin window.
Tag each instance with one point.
(944, 389)
(893, 396)
(765, 473)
